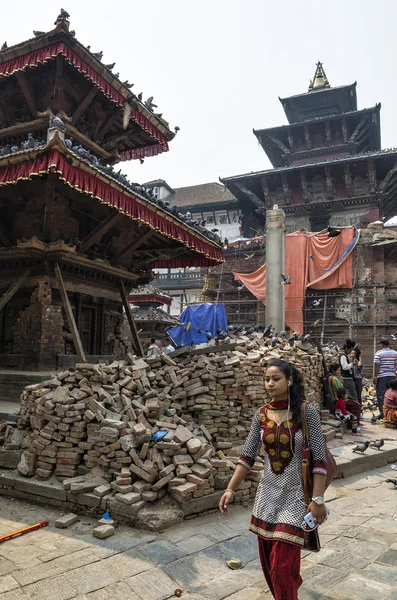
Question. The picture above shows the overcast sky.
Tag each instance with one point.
(217, 67)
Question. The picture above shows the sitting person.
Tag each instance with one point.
(342, 413)
(390, 403)
(334, 380)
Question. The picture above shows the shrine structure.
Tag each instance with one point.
(75, 235)
(329, 169)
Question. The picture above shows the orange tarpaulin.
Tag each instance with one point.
(330, 267)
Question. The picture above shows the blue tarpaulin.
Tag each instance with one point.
(207, 317)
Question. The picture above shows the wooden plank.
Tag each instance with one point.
(136, 341)
(96, 234)
(188, 350)
(6, 297)
(23, 127)
(86, 142)
(134, 245)
(69, 315)
(84, 104)
(21, 78)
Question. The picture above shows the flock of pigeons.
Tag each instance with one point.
(32, 143)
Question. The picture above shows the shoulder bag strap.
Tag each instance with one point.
(305, 428)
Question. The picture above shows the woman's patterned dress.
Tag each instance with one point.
(280, 506)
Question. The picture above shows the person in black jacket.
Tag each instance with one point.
(346, 361)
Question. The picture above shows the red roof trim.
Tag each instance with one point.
(37, 57)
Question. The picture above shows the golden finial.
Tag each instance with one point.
(320, 79)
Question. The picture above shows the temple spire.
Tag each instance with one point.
(320, 79)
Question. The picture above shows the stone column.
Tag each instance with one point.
(275, 258)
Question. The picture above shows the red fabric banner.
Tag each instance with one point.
(33, 59)
(132, 206)
(315, 261)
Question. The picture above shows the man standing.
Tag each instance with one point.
(346, 364)
(153, 349)
(385, 370)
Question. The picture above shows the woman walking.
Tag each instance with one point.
(280, 506)
(358, 367)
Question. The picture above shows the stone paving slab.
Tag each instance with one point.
(358, 560)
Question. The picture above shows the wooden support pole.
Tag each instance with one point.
(69, 315)
(134, 332)
(134, 245)
(374, 326)
(21, 78)
(84, 104)
(324, 317)
(96, 234)
(6, 297)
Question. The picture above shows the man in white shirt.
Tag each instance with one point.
(385, 370)
(153, 349)
(169, 349)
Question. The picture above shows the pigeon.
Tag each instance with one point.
(149, 103)
(117, 75)
(317, 322)
(111, 66)
(393, 336)
(332, 232)
(176, 129)
(139, 96)
(63, 14)
(128, 84)
(57, 122)
(285, 280)
(373, 418)
(378, 444)
(393, 481)
(98, 55)
(31, 143)
(307, 338)
(275, 340)
(72, 33)
(361, 447)
(230, 328)
(4, 46)
(14, 149)
(317, 302)
(283, 334)
(68, 143)
(38, 33)
(251, 330)
(208, 335)
(311, 256)
(199, 331)
(268, 330)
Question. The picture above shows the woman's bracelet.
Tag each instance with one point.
(230, 490)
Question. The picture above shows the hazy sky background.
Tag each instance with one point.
(217, 67)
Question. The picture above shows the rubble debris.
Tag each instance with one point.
(103, 531)
(66, 521)
(140, 429)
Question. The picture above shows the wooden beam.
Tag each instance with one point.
(136, 342)
(6, 297)
(24, 127)
(69, 315)
(84, 104)
(86, 142)
(96, 234)
(21, 78)
(132, 246)
(108, 124)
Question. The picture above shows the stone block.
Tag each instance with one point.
(197, 505)
(39, 488)
(130, 498)
(182, 459)
(102, 490)
(10, 458)
(66, 521)
(159, 517)
(193, 445)
(82, 487)
(103, 531)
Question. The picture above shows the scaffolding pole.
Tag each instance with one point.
(323, 323)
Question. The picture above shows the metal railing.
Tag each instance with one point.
(175, 281)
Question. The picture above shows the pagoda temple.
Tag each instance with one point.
(150, 318)
(329, 168)
(76, 236)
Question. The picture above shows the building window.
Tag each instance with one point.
(221, 218)
(209, 218)
(156, 192)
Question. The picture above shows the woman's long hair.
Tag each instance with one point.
(296, 390)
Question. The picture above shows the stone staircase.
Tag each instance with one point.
(332, 428)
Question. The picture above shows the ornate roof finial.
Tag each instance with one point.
(320, 79)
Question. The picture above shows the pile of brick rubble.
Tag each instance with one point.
(153, 426)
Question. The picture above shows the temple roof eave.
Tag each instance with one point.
(50, 159)
(319, 163)
(62, 34)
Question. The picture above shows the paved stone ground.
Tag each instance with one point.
(358, 560)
